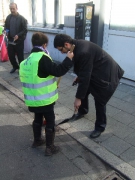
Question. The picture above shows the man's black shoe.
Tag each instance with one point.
(95, 134)
(13, 70)
(77, 116)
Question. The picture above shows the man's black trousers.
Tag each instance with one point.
(14, 50)
(100, 122)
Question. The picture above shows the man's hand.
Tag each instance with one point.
(70, 55)
(77, 104)
(16, 37)
(76, 80)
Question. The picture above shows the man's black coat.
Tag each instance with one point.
(21, 27)
(97, 71)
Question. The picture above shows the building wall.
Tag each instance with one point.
(119, 34)
(120, 44)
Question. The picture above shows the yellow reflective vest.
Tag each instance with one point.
(37, 91)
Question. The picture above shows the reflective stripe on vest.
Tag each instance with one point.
(40, 97)
(40, 85)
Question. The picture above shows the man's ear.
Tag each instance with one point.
(66, 45)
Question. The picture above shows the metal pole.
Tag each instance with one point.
(44, 12)
(34, 19)
(56, 13)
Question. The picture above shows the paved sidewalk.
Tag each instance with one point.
(18, 161)
(116, 145)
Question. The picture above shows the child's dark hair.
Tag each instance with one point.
(39, 38)
(61, 39)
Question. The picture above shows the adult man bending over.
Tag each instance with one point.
(98, 74)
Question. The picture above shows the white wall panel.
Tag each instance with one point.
(122, 49)
(120, 43)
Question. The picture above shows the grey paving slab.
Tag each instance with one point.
(131, 138)
(132, 92)
(111, 122)
(115, 145)
(6, 76)
(133, 113)
(120, 94)
(91, 107)
(122, 105)
(5, 110)
(67, 89)
(82, 124)
(127, 107)
(129, 156)
(80, 150)
(91, 115)
(129, 98)
(94, 175)
(132, 125)
(82, 164)
(13, 118)
(16, 84)
(68, 151)
(64, 138)
(115, 102)
(62, 111)
(124, 87)
(111, 111)
(2, 96)
(124, 117)
(121, 130)
(4, 73)
(13, 90)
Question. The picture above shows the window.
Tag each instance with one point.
(49, 13)
(42, 13)
(4, 10)
(122, 15)
(38, 13)
(26, 11)
(67, 8)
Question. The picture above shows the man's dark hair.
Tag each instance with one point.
(39, 38)
(60, 39)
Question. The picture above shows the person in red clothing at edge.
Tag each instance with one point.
(37, 74)
(97, 74)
